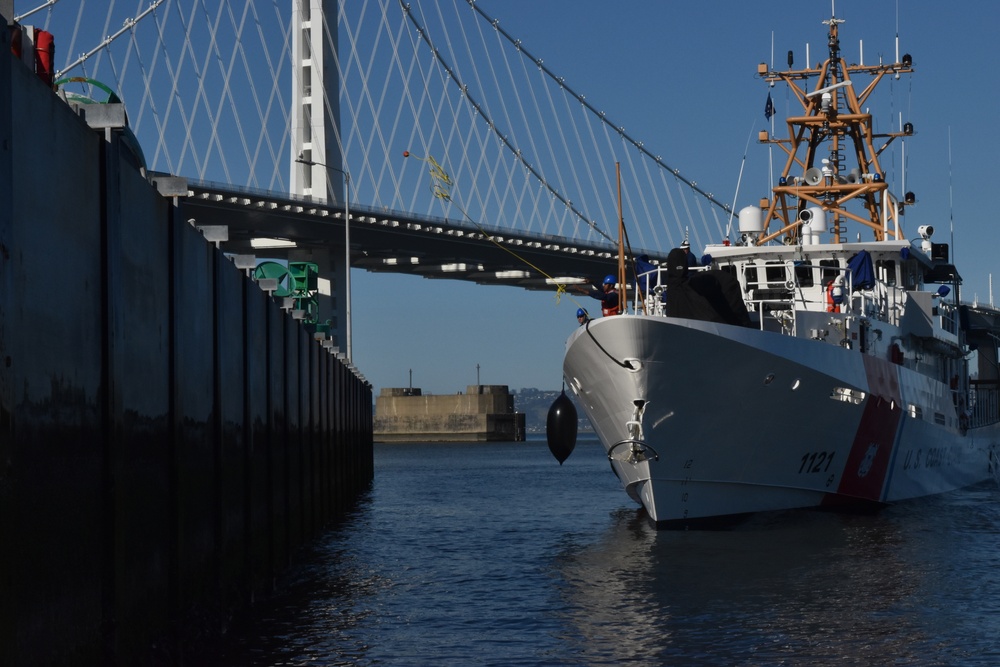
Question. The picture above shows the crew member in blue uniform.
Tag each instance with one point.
(607, 295)
(691, 259)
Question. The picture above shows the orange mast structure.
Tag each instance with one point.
(833, 118)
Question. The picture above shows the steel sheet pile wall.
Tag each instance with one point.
(168, 435)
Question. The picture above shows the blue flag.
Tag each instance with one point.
(768, 107)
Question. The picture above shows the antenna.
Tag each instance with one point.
(951, 207)
(770, 153)
(897, 31)
(732, 211)
(902, 151)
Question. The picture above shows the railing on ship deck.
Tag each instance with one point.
(985, 403)
(764, 298)
(769, 298)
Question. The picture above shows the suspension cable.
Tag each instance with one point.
(129, 24)
(602, 116)
(506, 142)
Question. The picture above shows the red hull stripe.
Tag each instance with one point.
(866, 467)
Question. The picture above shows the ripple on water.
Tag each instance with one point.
(495, 555)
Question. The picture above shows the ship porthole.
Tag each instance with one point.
(796, 384)
(768, 379)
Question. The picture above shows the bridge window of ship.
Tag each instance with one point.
(830, 270)
(914, 411)
(804, 275)
(776, 275)
(910, 275)
(771, 292)
(887, 271)
(750, 276)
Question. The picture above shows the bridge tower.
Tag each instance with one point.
(315, 113)
(316, 162)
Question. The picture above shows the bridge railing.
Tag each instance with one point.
(361, 211)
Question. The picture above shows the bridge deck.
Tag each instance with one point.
(392, 241)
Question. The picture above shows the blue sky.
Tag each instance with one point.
(681, 77)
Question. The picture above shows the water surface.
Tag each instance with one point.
(494, 554)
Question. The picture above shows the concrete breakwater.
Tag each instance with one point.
(484, 413)
(168, 434)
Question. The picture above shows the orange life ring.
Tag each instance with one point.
(831, 307)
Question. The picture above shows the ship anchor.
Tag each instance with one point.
(638, 447)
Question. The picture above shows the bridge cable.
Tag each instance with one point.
(129, 25)
(602, 116)
(441, 187)
(506, 142)
(480, 110)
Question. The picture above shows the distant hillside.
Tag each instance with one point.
(535, 404)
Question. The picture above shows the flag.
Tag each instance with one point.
(768, 107)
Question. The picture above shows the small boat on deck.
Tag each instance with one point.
(795, 368)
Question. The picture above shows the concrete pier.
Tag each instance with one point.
(484, 413)
(168, 434)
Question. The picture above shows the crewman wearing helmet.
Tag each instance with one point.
(582, 316)
(607, 295)
(688, 255)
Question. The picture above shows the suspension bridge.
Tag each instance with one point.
(454, 149)
(447, 143)
(493, 137)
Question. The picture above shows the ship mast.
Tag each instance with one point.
(832, 159)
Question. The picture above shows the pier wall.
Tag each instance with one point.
(168, 434)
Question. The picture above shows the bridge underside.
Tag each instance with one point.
(391, 241)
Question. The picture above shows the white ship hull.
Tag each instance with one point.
(716, 420)
(791, 366)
